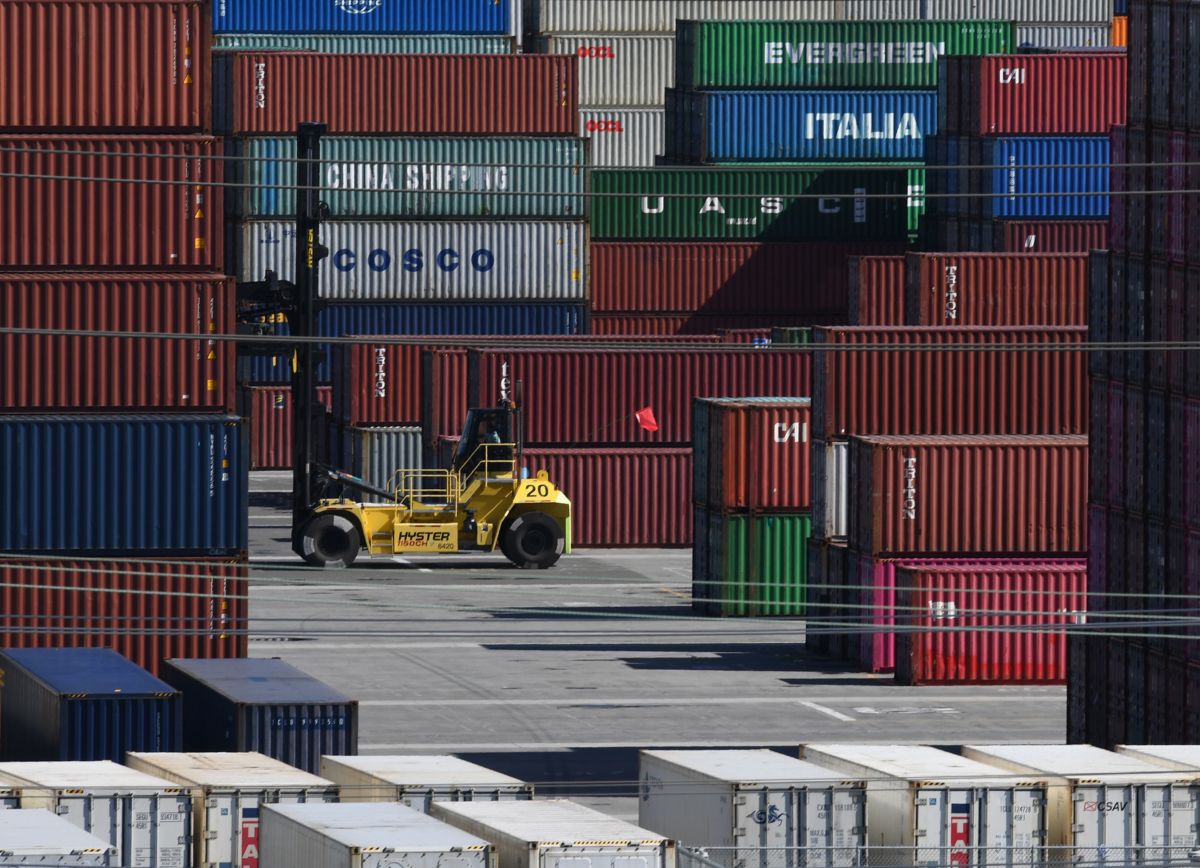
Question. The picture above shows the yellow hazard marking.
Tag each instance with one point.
(574, 274)
(199, 215)
(212, 385)
(199, 243)
(225, 463)
(212, 355)
(187, 79)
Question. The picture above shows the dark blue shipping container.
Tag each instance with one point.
(83, 704)
(263, 705)
(419, 319)
(799, 126)
(109, 484)
(1070, 179)
(362, 16)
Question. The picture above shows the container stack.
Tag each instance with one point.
(122, 454)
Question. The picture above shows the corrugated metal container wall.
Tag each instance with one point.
(979, 392)
(726, 278)
(46, 372)
(660, 16)
(1049, 236)
(133, 65)
(1079, 188)
(146, 610)
(753, 564)
(1065, 35)
(83, 704)
(876, 290)
(646, 325)
(1020, 10)
(996, 289)
(438, 261)
(263, 705)
(1120, 30)
(375, 454)
(968, 494)
(409, 178)
(656, 514)
(987, 625)
(580, 397)
(623, 137)
(798, 126)
(411, 16)
(124, 483)
(830, 478)
(378, 384)
(837, 54)
(333, 43)
(402, 94)
(37, 837)
(616, 70)
(271, 429)
(55, 229)
(443, 394)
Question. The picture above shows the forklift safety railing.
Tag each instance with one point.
(491, 461)
(426, 490)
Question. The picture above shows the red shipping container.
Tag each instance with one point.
(877, 290)
(654, 508)
(996, 289)
(680, 325)
(270, 410)
(148, 610)
(58, 372)
(443, 394)
(103, 65)
(977, 391)
(1049, 236)
(580, 397)
(110, 220)
(745, 336)
(973, 624)
(398, 94)
(802, 279)
(968, 495)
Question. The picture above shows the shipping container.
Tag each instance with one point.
(1044, 177)
(364, 16)
(270, 421)
(133, 65)
(876, 290)
(263, 705)
(1049, 236)
(556, 833)
(751, 564)
(434, 261)
(364, 835)
(1176, 757)
(85, 201)
(443, 396)
(830, 495)
(363, 43)
(227, 790)
(1065, 36)
(1074, 11)
(144, 483)
(398, 94)
(987, 625)
(926, 804)
(376, 453)
(417, 780)
(146, 610)
(1120, 31)
(616, 70)
(715, 798)
(660, 16)
(968, 494)
(682, 325)
(621, 138)
(147, 819)
(37, 837)
(83, 704)
(420, 177)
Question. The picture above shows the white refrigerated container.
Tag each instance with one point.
(418, 780)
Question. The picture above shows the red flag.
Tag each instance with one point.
(645, 418)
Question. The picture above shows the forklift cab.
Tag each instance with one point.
(491, 428)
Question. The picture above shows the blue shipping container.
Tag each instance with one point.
(108, 484)
(1071, 178)
(800, 126)
(362, 16)
(83, 704)
(263, 705)
(419, 319)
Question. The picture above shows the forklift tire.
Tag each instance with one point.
(533, 539)
(330, 540)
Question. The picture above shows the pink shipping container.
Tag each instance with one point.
(418, 94)
(58, 372)
(994, 391)
(103, 65)
(974, 624)
(968, 495)
(877, 290)
(654, 509)
(996, 289)
(647, 325)
(270, 409)
(108, 221)
(1049, 236)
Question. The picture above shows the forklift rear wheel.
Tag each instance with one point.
(331, 540)
(534, 539)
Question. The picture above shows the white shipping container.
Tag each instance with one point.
(1180, 757)
(147, 819)
(365, 835)
(1065, 11)
(754, 807)
(227, 790)
(373, 260)
(1106, 805)
(659, 16)
(832, 475)
(1064, 35)
(419, 779)
(37, 837)
(616, 70)
(556, 833)
(929, 807)
(622, 137)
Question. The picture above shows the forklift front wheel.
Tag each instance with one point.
(330, 540)
(533, 539)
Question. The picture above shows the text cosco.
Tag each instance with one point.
(415, 259)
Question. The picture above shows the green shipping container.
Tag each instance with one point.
(791, 335)
(757, 54)
(351, 43)
(420, 177)
(708, 203)
(750, 564)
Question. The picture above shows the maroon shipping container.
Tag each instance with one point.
(755, 454)
(1049, 236)
(653, 325)
(802, 279)
(996, 289)
(575, 397)
(877, 290)
(147, 610)
(421, 94)
(111, 220)
(270, 409)
(653, 508)
(974, 624)
(443, 394)
(999, 390)
(103, 65)
(58, 372)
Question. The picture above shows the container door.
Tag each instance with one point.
(1011, 827)
(832, 826)
(157, 830)
(101, 815)
(945, 828)
(602, 857)
(1169, 821)
(766, 822)
(1105, 826)
(222, 825)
